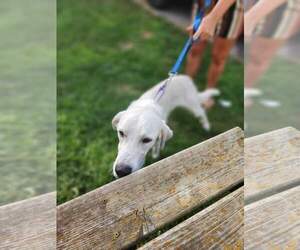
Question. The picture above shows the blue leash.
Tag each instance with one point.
(175, 69)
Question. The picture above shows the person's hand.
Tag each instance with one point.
(190, 30)
(206, 29)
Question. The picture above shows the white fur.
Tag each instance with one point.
(146, 118)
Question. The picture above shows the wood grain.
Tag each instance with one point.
(29, 224)
(274, 222)
(219, 226)
(272, 163)
(124, 211)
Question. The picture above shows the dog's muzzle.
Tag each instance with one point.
(123, 170)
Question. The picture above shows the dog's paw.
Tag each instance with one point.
(206, 127)
(155, 155)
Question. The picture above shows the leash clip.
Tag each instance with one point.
(162, 88)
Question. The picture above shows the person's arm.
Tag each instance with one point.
(260, 10)
(209, 22)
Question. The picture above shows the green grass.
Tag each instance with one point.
(27, 99)
(281, 83)
(109, 53)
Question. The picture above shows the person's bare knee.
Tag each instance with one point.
(221, 51)
(259, 58)
(219, 59)
(263, 50)
(198, 47)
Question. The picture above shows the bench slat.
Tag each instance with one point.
(29, 224)
(220, 224)
(272, 163)
(274, 222)
(124, 211)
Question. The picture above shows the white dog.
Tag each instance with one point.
(142, 126)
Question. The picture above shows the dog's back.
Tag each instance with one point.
(178, 90)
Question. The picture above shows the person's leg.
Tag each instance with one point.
(220, 52)
(261, 53)
(194, 58)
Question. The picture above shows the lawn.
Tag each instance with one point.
(27, 99)
(109, 53)
(280, 83)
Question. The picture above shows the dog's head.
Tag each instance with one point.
(138, 131)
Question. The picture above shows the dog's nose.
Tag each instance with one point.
(123, 170)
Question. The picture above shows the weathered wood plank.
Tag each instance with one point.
(29, 224)
(118, 214)
(272, 163)
(274, 222)
(219, 226)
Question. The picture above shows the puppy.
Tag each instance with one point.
(142, 126)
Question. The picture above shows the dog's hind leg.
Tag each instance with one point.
(205, 122)
(201, 115)
(199, 112)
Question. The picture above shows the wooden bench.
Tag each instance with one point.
(272, 190)
(29, 224)
(218, 226)
(194, 197)
(196, 194)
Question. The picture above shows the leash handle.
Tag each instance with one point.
(189, 43)
(185, 50)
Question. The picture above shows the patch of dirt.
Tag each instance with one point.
(126, 88)
(125, 46)
(147, 35)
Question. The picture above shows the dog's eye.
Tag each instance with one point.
(146, 140)
(121, 133)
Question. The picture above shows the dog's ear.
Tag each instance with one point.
(116, 119)
(166, 134)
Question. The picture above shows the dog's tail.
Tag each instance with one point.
(205, 95)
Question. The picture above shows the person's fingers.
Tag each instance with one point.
(190, 30)
(190, 27)
(205, 36)
(202, 35)
(206, 29)
(197, 34)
